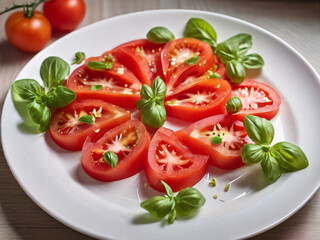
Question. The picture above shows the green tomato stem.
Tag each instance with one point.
(26, 8)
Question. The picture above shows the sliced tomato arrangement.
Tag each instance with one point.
(172, 162)
(129, 141)
(70, 133)
(174, 56)
(227, 154)
(257, 99)
(202, 98)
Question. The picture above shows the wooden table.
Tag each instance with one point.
(297, 22)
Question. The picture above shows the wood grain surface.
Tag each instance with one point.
(296, 22)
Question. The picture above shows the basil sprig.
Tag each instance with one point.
(151, 104)
(79, 57)
(233, 53)
(33, 102)
(160, 35)
(275, 160)
(185, 203)
(234, 105)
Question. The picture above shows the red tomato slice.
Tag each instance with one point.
(70, 134)
(142, 57)
(129, 141)
(119, 85)
(257, 99)
(169, 160)
(227, 154)
(204, 98)
(174, 55)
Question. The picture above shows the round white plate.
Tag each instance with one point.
(54, 179)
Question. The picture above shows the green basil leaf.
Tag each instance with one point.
(241, 43)
(141, 103)
(160, 35)
(259, 130)
(202, 30)
(146, 92)
(188, 201)
(89, 119)
(158, 206)
(40, 114)
(111, 158)
(168, 189)
(193, 60)
(99, 66)
(172, 216)
(213, 75)
(96, 87)
(289, 156)
(252, 153)
(253, 61)
(216, 140)
(60, 97)
(270, 168)
(227, 52)
(234, 105)
(53, 71)
(235, 71)
(79, 57)
(153, 114)
(159, 88)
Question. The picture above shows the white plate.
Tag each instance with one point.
(54, 179)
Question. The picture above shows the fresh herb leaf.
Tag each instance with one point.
(193, 60)
(96, 87)
(172, 216)
(27, 89)
(259, 130)
(270, 168)
(99, 66)
(160, 35)
(213, 75)
(252, 153)
(146, 92)
(111, 158)
(40, 114)
(216, 140)
(253, 61)
(168, 189)
(60, 97)
(79, 57)
(89, 119)
(235, 71)
(237, 45)
(188, 201)
(234, 105)
(158, 206)
(159, 89)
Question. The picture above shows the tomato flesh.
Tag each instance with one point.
(129, 141)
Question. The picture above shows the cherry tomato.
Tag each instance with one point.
(257, 99)
(64, 15)
(201, 98)
(174, 56)
(129, 141)
(142, 57)
(28, 34)
(225, 155)
(172, 162)
(70, 133)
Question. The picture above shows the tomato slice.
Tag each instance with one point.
(257, 99)
(227, 154)
(142, 57)
(119, 85)
(171, 161)
(174, 56)
(203, 98)
(130, 141)
(70, 134)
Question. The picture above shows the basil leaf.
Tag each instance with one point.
(193, 60)
(96, 87)
(235, 71)
(27, 89)
(99, 66)
(289, 156)
(158, 206)
(234, 105)
(172, 216)
(160, 35)
(259, 130)
(252, 153)
(216, 140)
(240, 43)
(141, 103)
(111, 158)
(188, 201)
(79, 57)
(53, 71)
(168, 189)
(159, 88)
(153, 114)
(40, 114)
(146, 92)
(227, 52)
(89, 119)
(253, 61)
(213, 75)
(200, 29)
(60, 97)
(270, 168)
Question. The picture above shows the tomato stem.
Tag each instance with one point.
(28, 9)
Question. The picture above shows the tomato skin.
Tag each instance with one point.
(28, 34)
(180, 179)
(111, 116)
(191, 111)
(269, 110)
(64, 15)
(133, 162)
(221, 158)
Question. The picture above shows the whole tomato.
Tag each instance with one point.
(64, 15)
(28, 34)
